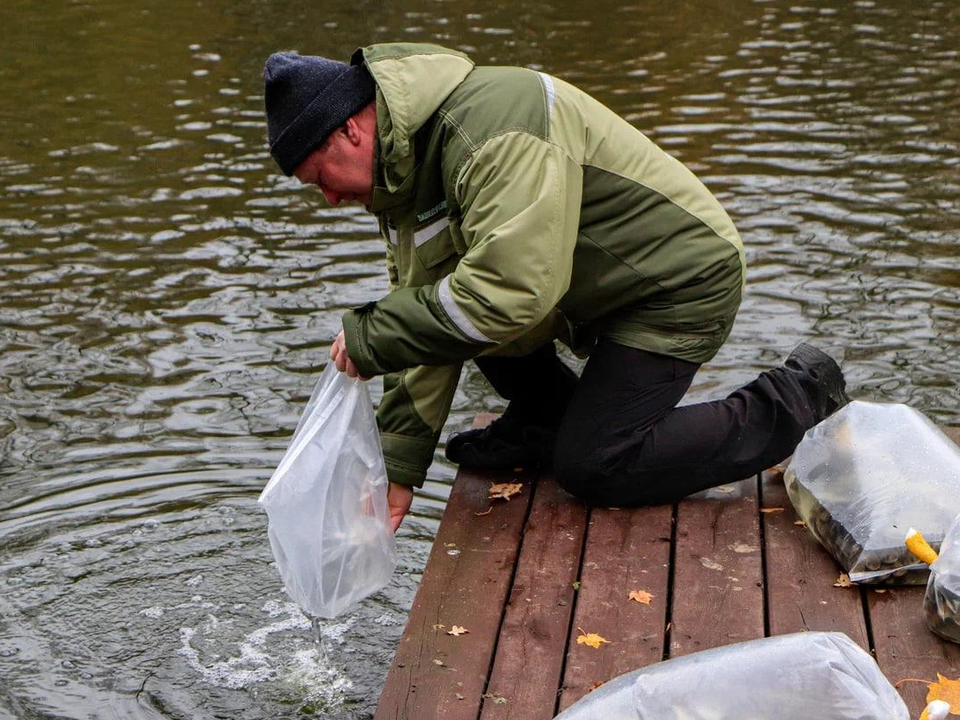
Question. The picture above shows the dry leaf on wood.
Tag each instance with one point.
(843, 581)
(457, 630)
(485, 512)
(946, 690)
(771, 509)
(497, 699)
(591, 639)
(504, 490)
(801, 523)
(641, 596)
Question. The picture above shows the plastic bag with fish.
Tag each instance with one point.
(789, 677)
(329, 525)
(865, 475)
(942, 600)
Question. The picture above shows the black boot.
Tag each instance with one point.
(524, 436)
(820, 377)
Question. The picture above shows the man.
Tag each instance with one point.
(517, 210)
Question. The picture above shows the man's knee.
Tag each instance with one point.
(580, 476)
(587, 481)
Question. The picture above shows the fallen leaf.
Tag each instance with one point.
(710, 564)
(843, 581)
(801, 523)
(591, 639)
(771, 509)
(497, 699)
(504, 490)
(880, 591)
(459, 696)
(576, 584)
(946, 690)
(485, 512)
(439, 626)
(457, 630)
(641, 596)
(438, 662)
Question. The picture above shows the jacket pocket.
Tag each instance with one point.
(436, 248)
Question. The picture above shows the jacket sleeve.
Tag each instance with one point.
(414, 407)
(520, 202)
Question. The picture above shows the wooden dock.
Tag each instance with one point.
(526, 576)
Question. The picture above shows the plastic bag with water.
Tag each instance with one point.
(329, 525)
(864, 476)
(788, 677)
(942, 600)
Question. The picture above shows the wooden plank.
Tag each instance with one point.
(435, 675)
(627, 549)
(905, 647)
(718, 570)
(529, 657)
(801, 574)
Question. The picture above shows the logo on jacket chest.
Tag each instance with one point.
(432, 212)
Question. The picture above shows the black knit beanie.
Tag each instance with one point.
(306, 99)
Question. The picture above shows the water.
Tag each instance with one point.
(167, 299)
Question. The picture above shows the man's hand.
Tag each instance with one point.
(338, 353)
(399, 498)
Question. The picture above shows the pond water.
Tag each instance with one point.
(167, 298)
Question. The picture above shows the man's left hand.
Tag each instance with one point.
(338, 353)
(399, 498)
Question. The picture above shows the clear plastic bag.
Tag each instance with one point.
(788, 677)
(942, 600)
(327, 502)
(864, 476)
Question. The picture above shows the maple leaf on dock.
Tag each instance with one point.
(591, 639)
(504, 490)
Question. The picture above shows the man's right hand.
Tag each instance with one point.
(338, 353)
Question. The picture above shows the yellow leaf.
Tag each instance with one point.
(946, 690)
(843, 581)
(504, 490)
(591, 639)
(457, 630)
(771, 510)
(641, 596)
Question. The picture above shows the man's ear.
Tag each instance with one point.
(351, 129)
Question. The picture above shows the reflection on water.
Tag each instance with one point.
(167, 299)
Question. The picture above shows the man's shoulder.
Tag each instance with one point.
(492, 100)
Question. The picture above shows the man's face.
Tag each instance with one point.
(343, 166)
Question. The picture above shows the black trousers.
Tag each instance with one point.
(622, 440)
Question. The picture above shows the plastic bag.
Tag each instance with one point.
(327, 502)
(942, 600)
(865, 475)
(789, 677)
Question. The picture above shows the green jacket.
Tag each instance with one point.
(517, 209)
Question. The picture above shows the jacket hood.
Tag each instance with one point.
(413, 80)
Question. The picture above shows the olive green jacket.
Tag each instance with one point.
(517, 209)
